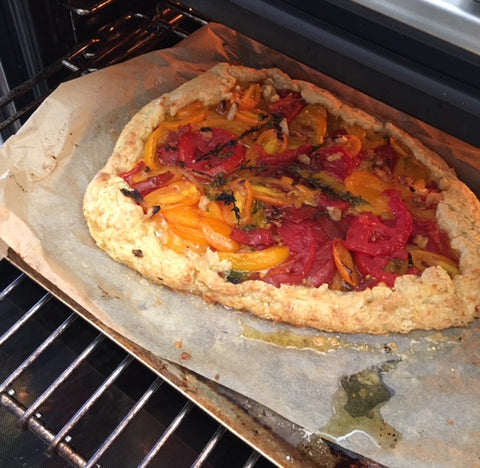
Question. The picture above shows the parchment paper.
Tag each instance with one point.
(432, 417)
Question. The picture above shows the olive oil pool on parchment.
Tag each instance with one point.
(356, 406)
(357, 402)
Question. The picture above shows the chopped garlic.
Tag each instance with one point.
(232, 112)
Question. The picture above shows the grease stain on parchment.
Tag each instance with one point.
(290, 339)
(356, 407)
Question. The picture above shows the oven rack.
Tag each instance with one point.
(123, 38)
(60, 378)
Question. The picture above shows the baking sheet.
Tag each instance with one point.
(422, 388)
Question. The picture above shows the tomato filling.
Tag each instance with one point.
(289, 194)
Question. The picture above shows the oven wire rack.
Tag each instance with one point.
(65, 370)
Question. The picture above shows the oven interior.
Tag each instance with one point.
(73, 397)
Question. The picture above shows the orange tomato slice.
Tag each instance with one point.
(182, 215)
(248, 98)
(217, 233)
(179, 245)
(351, 143)
(257, 260)
(369, 139)
(250, 117)
(189, 234)
(190, 114)
(180, 192)
(213, 210)
(344, 262)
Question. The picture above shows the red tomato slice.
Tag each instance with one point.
(386, 156)
(382, 268)
(298, 237)
(336, 161)
(168, 153)
(438, 240)
(375, 267)
(128, 176)
(300, 240)
(211, 151)
(369, 235)
(289, 272)
(282, 159)
(329, 229)
(144, 187)
(289, 104)
(260, 238)
(323, 268)
(297, 215)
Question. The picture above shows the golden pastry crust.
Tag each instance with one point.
(432, 300)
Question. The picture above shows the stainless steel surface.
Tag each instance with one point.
(454, 21)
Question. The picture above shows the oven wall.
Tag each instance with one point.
(405, 68)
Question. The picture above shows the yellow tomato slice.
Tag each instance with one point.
(237, 128)
(325, 179)
(344, 262)
(311, 121)
(370, 187)
(410, 167)
(422, 259)
(243, 192)
(295, 141)
(156, 137)
(272, 141)
(180, 192)
(270, 195)
(303, 195)
(256, 260)
(217, 233)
